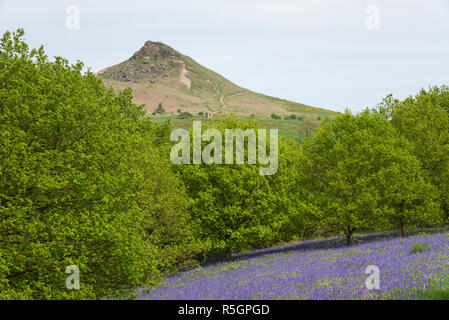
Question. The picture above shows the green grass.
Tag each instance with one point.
(292, 129)
(419, 247)
(436, 294)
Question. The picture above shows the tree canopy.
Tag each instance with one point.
(363, 176)
(82, 182)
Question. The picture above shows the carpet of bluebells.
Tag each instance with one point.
(318, 269)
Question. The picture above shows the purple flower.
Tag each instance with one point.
(307, 271)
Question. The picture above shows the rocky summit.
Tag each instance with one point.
(155, 51)
(153, 61)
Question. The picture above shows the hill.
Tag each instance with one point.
(159, 74)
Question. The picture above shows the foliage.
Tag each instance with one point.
(184, 115)
(419, 247)
(363, 176)
(435, 294)
(81, 183)
(236, 208)
(424, 121)
(160, 108)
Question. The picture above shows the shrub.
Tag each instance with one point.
(160, 109)
(185, 115)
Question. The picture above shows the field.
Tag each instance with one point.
(292, 129)
(319, 269)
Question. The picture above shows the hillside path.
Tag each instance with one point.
(214, 85)
(183, 78)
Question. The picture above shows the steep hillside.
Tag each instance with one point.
(159, 74)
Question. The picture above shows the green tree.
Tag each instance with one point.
(356, 167)
(234, 207)
(160, 109)
(424, 121)
(84, 180)
(407, 196)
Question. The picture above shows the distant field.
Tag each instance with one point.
(292, 129)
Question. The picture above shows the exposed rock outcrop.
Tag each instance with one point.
(153, 61)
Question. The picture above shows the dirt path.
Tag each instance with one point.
(214, 85)
(183, 78)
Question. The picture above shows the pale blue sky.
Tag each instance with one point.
(318, 52)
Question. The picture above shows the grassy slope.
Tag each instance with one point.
(209, 92)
